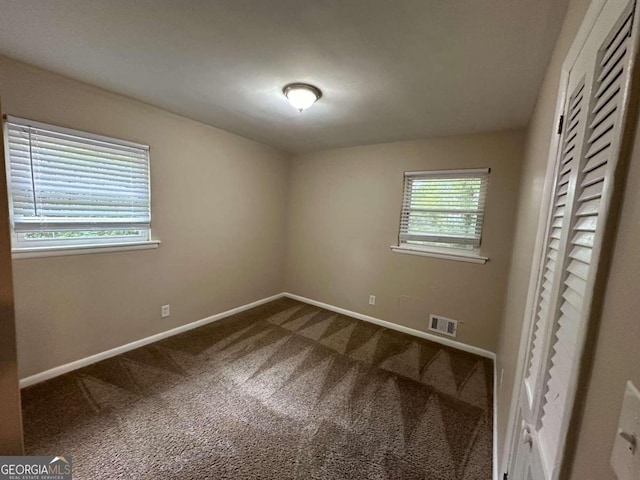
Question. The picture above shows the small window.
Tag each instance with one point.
(443, 211)
(69, 188)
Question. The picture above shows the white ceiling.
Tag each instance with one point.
(389, 69)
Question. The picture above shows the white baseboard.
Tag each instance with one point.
(62, 369)
(394, 326)
(83, 362)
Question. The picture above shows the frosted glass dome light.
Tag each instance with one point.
(301, 95)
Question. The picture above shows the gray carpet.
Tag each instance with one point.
(282, 391)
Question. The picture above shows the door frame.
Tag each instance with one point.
(11, 437)
(512, 433)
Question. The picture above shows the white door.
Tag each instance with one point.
(584, 180)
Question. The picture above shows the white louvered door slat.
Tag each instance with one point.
(576, 114)
(580, 202)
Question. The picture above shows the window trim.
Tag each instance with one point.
(73, 131)
(74, 247)
(66, 250)
(448, 253)
(443, 253)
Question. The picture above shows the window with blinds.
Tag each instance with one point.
(70, 188)
(443, 209)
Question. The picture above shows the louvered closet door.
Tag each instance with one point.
(557, 229)
(580, 204)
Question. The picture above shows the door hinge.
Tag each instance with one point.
(505, 476)
(560, 124)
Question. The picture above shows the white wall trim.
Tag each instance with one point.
(83, 362)
(394, 326)
(426, 252)
(63, 251)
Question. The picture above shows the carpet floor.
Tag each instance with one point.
(282, 391)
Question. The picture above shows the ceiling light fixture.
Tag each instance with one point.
(301, 95)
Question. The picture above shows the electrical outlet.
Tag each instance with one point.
(372, 299)
(165, 311)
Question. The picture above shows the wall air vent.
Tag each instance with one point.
(443, 325)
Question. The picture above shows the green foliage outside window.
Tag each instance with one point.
(80, 234)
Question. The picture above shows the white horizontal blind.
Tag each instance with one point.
(595, 172)
(444, 208)
(64, 180)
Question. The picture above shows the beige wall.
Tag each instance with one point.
(344, 208)
(218, 206)
(536, 156)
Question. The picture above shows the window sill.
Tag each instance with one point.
(21, 253)
(439, 253)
